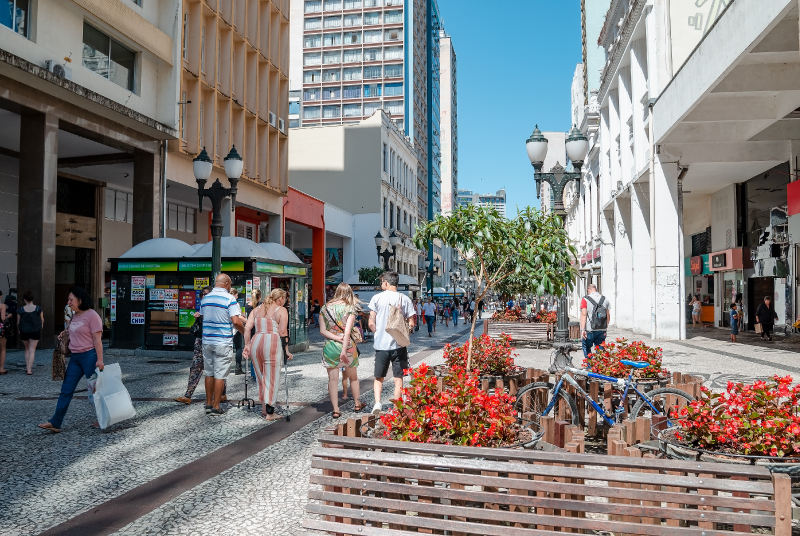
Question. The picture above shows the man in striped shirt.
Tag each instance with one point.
(221, 315)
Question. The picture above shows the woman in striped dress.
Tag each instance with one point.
(267, 347)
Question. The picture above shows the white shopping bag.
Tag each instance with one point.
(111, 400)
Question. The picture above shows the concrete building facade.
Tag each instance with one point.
(448, 121)
(496, 200)
(695, 183)
(365, 170)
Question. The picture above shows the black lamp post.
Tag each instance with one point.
(202, 170)
(386, 254)
(454, 277)
(558, 178)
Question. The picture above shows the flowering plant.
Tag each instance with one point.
(462, 414)
(509, 315)
(606, 360)
(546, 317)
(758, 419)
(488, 356)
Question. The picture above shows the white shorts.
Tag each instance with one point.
(217, 360)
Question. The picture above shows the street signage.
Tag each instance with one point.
(137, 318)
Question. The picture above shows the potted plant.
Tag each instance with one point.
(754, 422)
(509, 315)
(491, 360)
(607, 358)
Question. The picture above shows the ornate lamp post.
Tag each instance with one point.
(202, 166)
(454, 278)
(432, 267)
(558, 178)
(386, 254)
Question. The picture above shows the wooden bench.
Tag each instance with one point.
(518, 331)
(370, 487)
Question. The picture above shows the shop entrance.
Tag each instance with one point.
(732, 288)
(73, 269)
(757, 288)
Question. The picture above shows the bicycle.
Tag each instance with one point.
(540, 398)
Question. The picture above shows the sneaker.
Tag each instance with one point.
(239, 372)
(429, 335)
(208, 409)
(215, 412)
(376, 409)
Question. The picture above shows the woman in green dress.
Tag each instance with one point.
(338, 327)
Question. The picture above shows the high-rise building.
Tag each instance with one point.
(496, 200)
(593, 14)
(449, 121)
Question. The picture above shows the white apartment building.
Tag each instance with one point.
(689, 184)
(448, 107)
(496, 200)
(367, 169)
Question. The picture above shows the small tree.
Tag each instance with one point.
(370, 276)
(529, 253)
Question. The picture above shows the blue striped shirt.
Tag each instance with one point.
(217, 308)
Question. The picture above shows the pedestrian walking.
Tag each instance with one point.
(315, 311)
(766, 315)
(429, 310)
(387, 350)
(221, 317)
(3, 319)
(196, 369)
(29, 326)
(456, 308)
(86, 346)
(734, 315)
(595, 318)
(238, 338)
(268, 347)
(697, 309)
(341, 345)
(480, 309)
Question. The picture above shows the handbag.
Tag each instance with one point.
(59, 369)
(397, 327)
(759, 328)
(352, 338)
(197, 328)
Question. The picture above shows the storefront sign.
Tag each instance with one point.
(150, 281)
(156, 294)
(202, 266)
(696, 265)
(200, 283)
(718, 260)
(137, 295)
(137, 282)
(293, 270)
(170, 340)
(186, 318)
(170, 305)
(269, 268)
(147, 266)
(137, 319)
(256, 282)
(186, 299)
(700, 265)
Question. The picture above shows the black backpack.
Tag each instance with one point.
(599, 319)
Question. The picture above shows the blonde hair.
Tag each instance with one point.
(256, 295)
(273, 297)
(344, 294)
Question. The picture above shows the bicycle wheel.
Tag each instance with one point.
(533, 399)
(665, 400)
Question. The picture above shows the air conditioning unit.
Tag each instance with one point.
(282, 126)
(272, 119)
(58, 69)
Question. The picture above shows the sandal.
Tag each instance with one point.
(359, 407)
(273, 417)
(49, 427)
(336, 414)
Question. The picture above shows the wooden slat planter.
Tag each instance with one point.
(519, 331)
(386, 488)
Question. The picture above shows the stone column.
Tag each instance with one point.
(146, 196)
(669, 264)
(38, 179)
(318, 264)
(275, 229)
(229, 219)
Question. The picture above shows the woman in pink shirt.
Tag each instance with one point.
(86, 344)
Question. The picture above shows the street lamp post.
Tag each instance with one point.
(432, 267)
(558, 178)
(454, 277)
(386, 254)
(202, 167)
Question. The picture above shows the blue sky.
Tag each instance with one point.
(515, 59)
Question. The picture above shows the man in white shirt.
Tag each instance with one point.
(429, 310)
(387, 351)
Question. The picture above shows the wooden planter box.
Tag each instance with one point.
(528, 332)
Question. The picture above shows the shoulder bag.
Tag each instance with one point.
(352, 335)
(396, 326)
(60, 353)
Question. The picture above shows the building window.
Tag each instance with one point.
(294, 108)
(393, 35)
(333, 5)
(331, 75)
(353, 56)
(293, 123)
(313, 6)
(329, 93)
(372, 90)
(118, 206)
(185, 32)
(312, 58)
(183, 115)
(15, 15)
(331, 58)
(352, 4)
(313, 24)
(394, 107)
(245, 229)
(352, 110)
(370, 108)
(332, 39)
(385, 162)
(332, 22)
(391, 215)
(373, 3)
(373, 36)
(107, 57)
(393, 17)
(311, 112)
(352, 92)
(352, 20)
(385, 213)
(330, 112)
(180, 218)
(352, 38)
(312, 94)
(351, 74)
(372, 19)
(373, 73)
(393, 53)
(393, 90)
(398, 219)
(203, 49)
(312, 41)
(311, 77)
(394, 71)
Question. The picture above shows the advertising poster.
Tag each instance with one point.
(137, 294)
(156, 294)
(186, 318)
(137, 319)
(198, 299)
(113, 303)
(171, 305)
(137, 282)
(150, 282)
(249, 286)
(256, 282)
(333, 265)
(200, 282)
(170, 294)
(170, 339)
(186, 299)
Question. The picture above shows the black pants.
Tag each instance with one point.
(767, 330)
(238, 347)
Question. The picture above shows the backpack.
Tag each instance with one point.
(599, 319)
(30, 322)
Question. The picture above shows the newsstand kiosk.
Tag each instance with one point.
(156, 288)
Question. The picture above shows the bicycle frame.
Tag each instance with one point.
(621, 383)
